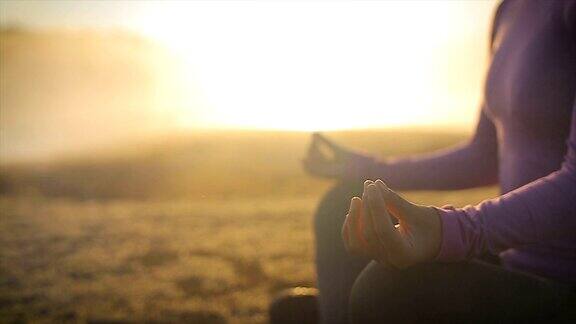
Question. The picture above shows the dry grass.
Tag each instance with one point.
(209, 251)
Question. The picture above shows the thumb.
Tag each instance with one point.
(397, 205)
(313, 147)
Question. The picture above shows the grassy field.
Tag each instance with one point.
(202, 228)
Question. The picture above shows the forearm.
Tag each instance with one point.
(540, 211)
(466, 166)
(473, 164)
(461, 167)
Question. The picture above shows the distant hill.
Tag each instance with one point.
(62, 90)
(210, 165)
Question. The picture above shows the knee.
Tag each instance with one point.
(379, 296)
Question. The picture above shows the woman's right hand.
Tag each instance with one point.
(369, 229)
(326, 159)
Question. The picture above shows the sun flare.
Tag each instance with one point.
(318, 66)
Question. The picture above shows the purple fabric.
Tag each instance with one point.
(525, 141)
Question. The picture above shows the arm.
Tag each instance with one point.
(541, 210)
(473, 164)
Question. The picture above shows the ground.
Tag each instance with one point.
(195, 244)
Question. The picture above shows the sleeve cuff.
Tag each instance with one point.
(452, 247)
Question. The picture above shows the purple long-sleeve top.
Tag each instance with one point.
(525, 141)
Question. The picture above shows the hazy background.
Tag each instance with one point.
(81, 73)
(150, 150)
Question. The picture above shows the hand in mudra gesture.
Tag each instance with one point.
(327, 159)
(370, 231)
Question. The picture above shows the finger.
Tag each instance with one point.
(383, 187)
(313, 151)
(398, 206)
(355, 241)
(381, 218)
(329, 143)
(368, 228)
(386, 233)
(345, 232)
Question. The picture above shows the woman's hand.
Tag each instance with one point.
(327, 159)
(369, 230)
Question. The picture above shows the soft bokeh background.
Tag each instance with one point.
(150, 151)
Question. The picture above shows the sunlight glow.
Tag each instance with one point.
(325, 65)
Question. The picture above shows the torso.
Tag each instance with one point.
(529, 95)
(530, 89)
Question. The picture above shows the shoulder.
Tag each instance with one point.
(499, 13)
(500, 9)
(497, 18)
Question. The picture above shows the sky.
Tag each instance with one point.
(303, 65)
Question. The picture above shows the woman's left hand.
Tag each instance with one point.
(327, 159)
(369, 230)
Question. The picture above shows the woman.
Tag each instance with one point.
(428, 268)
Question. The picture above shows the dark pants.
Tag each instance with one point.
(356, 290)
